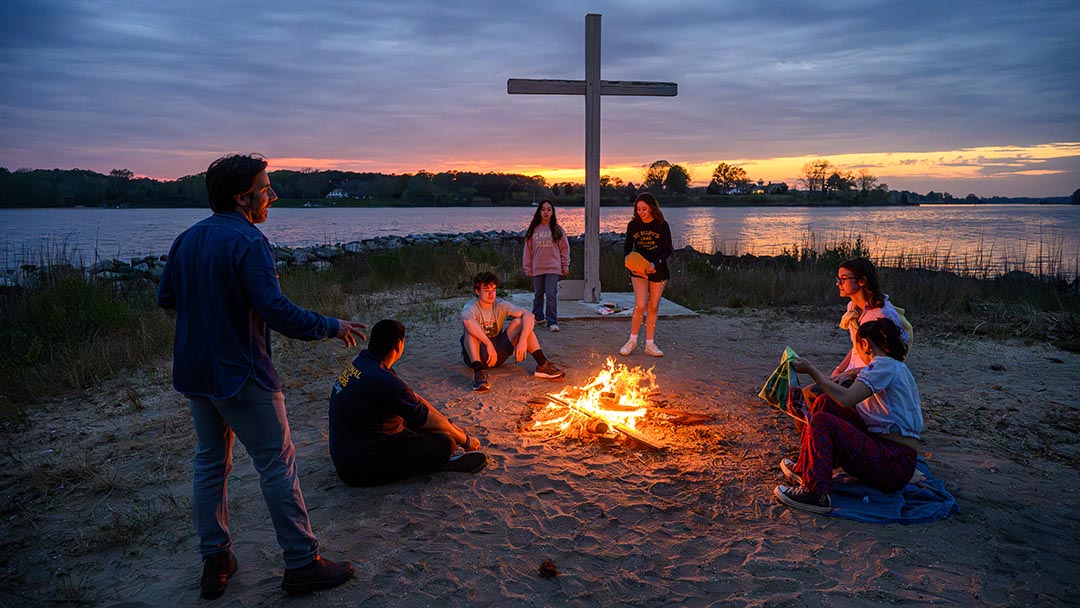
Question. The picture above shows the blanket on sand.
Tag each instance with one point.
(917, 503)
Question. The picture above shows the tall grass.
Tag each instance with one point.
(1031, 306)
(1044, 307)
(62, 332)
(444, 268)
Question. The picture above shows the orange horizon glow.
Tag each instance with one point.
(968, 163)
(982, 164)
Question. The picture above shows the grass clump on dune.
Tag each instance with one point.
(63, 331)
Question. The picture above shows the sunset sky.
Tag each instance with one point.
(958, 96)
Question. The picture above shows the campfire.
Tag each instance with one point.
(611, 403)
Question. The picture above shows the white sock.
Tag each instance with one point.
(633, 338)
(649, 342)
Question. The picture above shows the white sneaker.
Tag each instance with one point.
(787, 467)
(555, 327)
(628, 347)
(654, 350)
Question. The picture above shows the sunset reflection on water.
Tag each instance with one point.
(995, 237)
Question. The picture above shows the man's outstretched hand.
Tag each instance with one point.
(350, 332)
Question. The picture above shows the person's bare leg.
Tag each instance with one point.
(656, 291)
(641, 294)
(472, 347)
(513, 331)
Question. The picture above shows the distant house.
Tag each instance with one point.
(770, 188)
(337, 193)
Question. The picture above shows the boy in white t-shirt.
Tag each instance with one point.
(489, 339)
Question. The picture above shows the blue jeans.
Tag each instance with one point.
(546, 288)
(257, 417)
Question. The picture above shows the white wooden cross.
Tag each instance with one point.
(592, 88)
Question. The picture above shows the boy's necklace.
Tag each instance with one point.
(484, 321)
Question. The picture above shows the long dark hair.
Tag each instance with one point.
(650, 200)
(863, 268)
(885, 335)
(556, 231)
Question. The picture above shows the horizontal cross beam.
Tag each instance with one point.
(530, 86)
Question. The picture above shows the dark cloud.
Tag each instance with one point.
(161, 87)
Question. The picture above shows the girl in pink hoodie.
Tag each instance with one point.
(546, 258)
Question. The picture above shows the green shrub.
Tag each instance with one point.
(65, 332)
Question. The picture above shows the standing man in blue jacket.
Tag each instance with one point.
(221, 280)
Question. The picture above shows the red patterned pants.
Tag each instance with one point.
(837, 437)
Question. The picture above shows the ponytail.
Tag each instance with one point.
(885, 335)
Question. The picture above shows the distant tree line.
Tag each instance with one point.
(823, 183)
(827, 181)
(72, 187)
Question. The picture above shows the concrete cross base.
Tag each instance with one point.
(621, 306)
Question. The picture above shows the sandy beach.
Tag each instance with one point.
(96, 485)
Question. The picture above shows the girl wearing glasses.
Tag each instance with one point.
(857, 280)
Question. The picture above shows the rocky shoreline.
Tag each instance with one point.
(144, 269)
(318, 257)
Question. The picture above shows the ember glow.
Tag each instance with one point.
(614, 400)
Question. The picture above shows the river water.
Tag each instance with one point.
(997, 238)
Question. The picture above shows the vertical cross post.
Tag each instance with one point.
(592, 158)
(592, 88)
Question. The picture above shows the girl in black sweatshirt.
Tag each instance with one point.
(648, 235)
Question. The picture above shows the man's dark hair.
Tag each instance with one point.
(385, 337)
(231, 175)
(484, 278)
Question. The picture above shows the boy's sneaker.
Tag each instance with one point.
(480, 381)
(217, 568)
(654, 350)
(787, 467)
(801, 498)
(541, 322)
(547, 370)
(628, 347)
(466, 462)
(555, 327)
(319, 574)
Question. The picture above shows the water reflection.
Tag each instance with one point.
(700, 232)
(1037, 238)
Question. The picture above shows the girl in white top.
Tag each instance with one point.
(870, 429)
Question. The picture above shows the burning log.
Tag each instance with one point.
(618, 426)
(597, 426)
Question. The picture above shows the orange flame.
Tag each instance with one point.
(618, 395)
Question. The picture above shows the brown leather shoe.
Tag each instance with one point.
(217, 568)
(319, 574)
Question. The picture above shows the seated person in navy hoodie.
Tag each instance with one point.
(381, 431)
